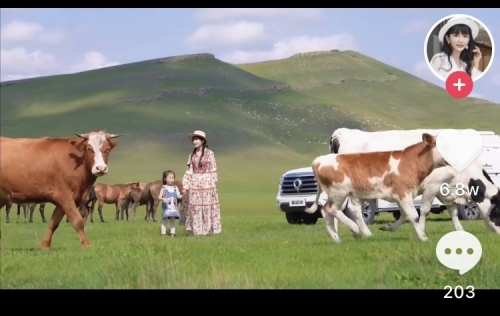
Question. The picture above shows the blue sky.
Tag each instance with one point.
(40, 42)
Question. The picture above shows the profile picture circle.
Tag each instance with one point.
(459, 42)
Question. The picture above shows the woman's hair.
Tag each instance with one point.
(466, 55)
(165, 174)
(203, 146)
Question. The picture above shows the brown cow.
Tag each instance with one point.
(394, 176)
(60, 171)
(109, 194)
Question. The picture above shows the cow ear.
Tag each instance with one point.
(77, 144)
(429, 139)
(112, 144)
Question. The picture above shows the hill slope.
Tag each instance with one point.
(263, 118)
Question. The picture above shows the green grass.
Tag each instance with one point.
(257, 249)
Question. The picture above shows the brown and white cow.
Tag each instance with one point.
(391, 175)
(60, 171)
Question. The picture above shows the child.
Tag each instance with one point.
(169, 194)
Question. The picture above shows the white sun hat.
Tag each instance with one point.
(459, 20)
(199, 134)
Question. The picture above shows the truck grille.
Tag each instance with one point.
(305, 183)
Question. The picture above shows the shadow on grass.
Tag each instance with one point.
(22, 249)
(390, 221)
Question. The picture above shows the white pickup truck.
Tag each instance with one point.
(297, 189)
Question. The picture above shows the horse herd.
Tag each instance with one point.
(126, 198)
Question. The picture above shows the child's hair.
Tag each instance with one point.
(165, 174)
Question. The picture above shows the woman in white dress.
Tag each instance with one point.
(458, 50)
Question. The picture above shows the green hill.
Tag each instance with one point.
(263, 118)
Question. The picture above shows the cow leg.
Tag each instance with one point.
(56, 218)
(484, 209)
(357, 213)
(331, 225)
(453, 211)
(407, 206)
(76, 221)
(425, 209)
(335, 209)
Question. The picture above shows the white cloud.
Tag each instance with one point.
(92, 60)
(18, 31)
(19, 77)
(231, 34)
(416, 27)
(299, 44)
(226, 13)
(476, 95)
(19, 60)
(422, 68)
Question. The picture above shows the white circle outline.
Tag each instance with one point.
(428, 62)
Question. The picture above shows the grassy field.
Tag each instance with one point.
(263, 119)
(257, 249)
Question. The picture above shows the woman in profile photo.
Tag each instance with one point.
(458, 50)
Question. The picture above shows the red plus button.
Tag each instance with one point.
(459, 84)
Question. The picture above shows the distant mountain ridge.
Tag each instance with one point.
(274, 113)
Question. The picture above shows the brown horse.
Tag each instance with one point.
(109, 194)
(25, 207)
(137, 197)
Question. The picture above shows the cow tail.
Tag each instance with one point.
(311, 209)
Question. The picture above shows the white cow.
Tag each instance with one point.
(345, 140)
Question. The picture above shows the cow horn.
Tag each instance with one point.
(114, 135)
(81, 135)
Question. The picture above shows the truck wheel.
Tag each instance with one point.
(293, 217)
(397, 214)
(468, 212)
(368, 209)
(309, 219)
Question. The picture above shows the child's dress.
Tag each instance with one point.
(170, 209)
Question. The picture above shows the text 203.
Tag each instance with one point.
(459, 291)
